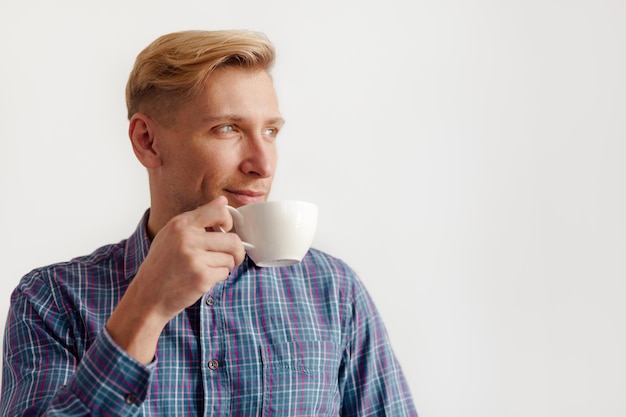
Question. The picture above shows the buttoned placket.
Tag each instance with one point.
(216, 395)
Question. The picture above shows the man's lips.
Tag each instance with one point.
(243, 197)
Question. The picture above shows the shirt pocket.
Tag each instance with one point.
(301, 379)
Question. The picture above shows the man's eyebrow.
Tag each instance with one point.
(236, 118)
(221, 117)
(277, 121)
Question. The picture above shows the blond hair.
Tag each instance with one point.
(173, 68)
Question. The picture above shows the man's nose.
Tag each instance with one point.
(259, 157)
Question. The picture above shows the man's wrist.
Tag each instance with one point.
(135, 329)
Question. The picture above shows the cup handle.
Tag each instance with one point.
(239, 218)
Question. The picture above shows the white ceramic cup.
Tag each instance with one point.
(276, 233)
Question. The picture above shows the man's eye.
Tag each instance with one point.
(270, 131)
(226, 128)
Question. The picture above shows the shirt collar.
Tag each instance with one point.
(137, 248)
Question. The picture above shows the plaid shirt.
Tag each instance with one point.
(304, 340)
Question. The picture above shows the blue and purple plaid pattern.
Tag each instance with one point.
(304, 340)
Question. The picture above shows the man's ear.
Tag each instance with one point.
(141, 132)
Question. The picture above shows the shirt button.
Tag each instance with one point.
(213, 364)
(131, 398)
(210, 301)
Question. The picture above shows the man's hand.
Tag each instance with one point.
(185, 261)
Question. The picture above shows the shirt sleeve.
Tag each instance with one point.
(43, 375)
(371, 379)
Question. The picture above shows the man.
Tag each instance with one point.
(176, 320)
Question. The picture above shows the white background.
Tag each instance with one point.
(468, 158)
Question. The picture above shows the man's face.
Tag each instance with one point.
(222, 143)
